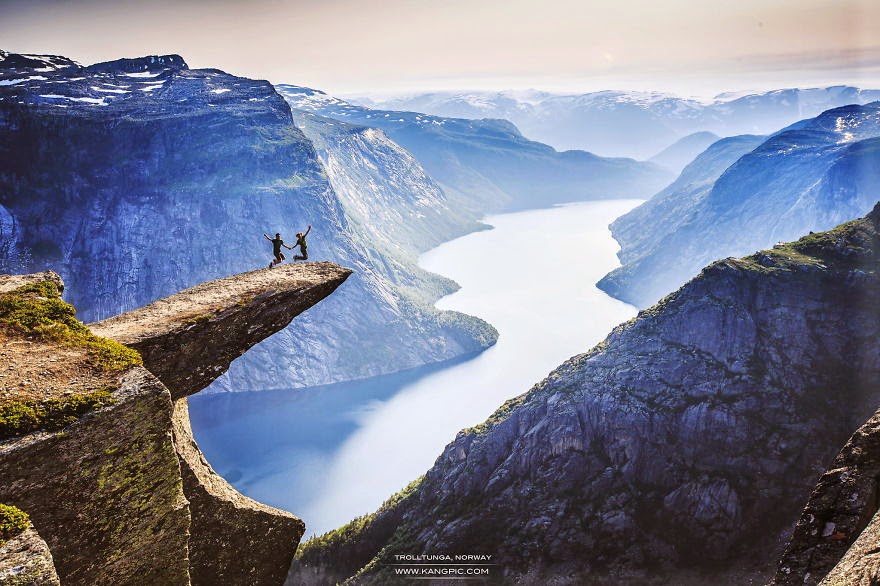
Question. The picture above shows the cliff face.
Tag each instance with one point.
(835, 540)
(140, 177)
(102, 457)
(383, 188)
(810, 176)
(105, 492)
(682, 446)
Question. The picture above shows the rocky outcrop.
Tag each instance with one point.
(233, 539)
(679, 449)
(187, 340)
(190, 338)
(105, 492)
(810, 176)
(119, 489)
(138, 178)
(861, 564)
(835, 541)
(25, 560)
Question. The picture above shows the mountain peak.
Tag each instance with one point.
(40, 63)
(137, 64)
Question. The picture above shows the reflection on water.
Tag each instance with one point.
(331, 453)
(275, 445)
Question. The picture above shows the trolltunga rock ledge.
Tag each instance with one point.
(122, 494)
(190, 338)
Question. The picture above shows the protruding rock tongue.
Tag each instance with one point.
(190, 338)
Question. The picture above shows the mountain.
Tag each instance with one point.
(140, 177)
(488, 164)
(629, 123)
(676, 156)
(678, 450)
(383, 189)
(807, 177)
(669, 208)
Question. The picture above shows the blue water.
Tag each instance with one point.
(329, 454)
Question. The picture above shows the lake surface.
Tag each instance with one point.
(329, 454)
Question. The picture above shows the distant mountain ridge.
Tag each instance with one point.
(487, 164)
(807, 177)
(676, 156)
(631, 123)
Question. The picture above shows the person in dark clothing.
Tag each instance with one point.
(303, 247)
(277, 243)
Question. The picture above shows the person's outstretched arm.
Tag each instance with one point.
(267, 237)
(307, 231)
(289, 247)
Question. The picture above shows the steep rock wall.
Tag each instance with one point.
(105, 492)
(835, 540)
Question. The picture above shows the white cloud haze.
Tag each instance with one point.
(343, 46)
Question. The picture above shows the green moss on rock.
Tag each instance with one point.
(197, 319)
(13, 521)
(500, 414)
(22, 417)
(37, 311)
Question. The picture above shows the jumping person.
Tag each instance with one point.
(277, 243)
(303, 247)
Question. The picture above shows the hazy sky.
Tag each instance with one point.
(364, 46)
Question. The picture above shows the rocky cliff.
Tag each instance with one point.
(24, 556)
(140, 177)
(835, 540)
(99, 452)
(810, 176)
(679, 449)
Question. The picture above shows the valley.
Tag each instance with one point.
(532, 276)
